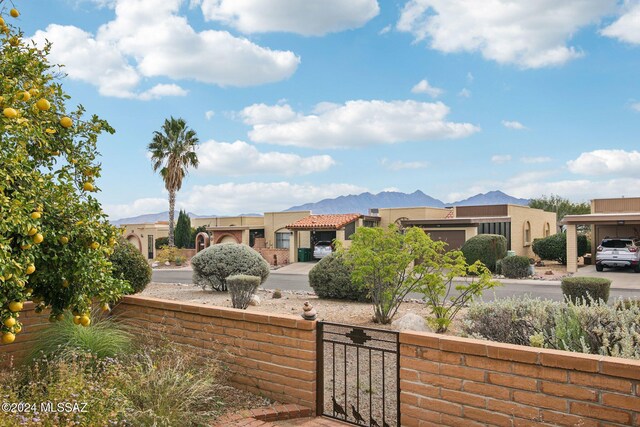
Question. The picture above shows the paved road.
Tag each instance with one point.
(300, 282)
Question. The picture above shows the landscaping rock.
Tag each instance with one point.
(167, 263)
(255, 300)
(155, 264)
(411, 322)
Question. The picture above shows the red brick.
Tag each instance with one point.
(420, 365)
(440, 356)
(512, 381)
(540, 400)
(621, 401)
(569, 391)
(484, 389)
(438, 405)
(441, 381)
(450, 420)
(625, 368)
(561, 419)
(488, 417)
(418, 414)
(542, 372)
(463, 398)
(487, 363)
(419, 389)
(420, 339)
(462, 372)
(463, 345)
(511, 408)
(600, 412)
(600, 381)
(567, 360)
(511, 352)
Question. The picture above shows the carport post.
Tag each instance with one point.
(572, 248)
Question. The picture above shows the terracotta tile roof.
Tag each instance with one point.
(334, 222)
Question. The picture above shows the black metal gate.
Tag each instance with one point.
(358, 375)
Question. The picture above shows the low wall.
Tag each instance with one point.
(271, 355)
(32, 324)
(275, 256)
(187, 253)
(455, 381)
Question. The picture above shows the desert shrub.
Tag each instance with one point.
(554, 247)
(103, 338)
(514, 267)
(277, 294)
(161, 241)
(486, 248)
(167, 253)
(213, 265)
(129, 264)
(586, 288)
(510, 320)
(242, 288)
(330, 278)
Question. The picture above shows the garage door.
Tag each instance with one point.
(454, 238)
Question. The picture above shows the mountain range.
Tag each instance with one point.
(359, 203)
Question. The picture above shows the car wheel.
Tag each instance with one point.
(637, 268)
(599, 267)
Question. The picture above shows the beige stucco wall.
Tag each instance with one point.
(228, 221)
(391, 215)
(156, 230)
(277, 221)
(618, 205)
(537, 219)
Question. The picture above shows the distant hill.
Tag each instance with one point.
(361, 203)
(162, 216)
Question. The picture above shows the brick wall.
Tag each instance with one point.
(32, 323)
(455, 381)
(281, 254)
(271, 355)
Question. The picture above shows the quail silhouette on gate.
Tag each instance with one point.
(357, 415)
(374, 423)
(337, 409)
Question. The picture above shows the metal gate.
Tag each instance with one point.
(358, 374)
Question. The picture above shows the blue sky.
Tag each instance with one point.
(296, 101)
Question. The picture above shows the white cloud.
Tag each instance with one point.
(512, 124)
(161, 90)
(209, 114)
(501, 158)
(465, 93)
(627, 27)
(423, 86)
(148, 38)
(603, 162)
(540, 159)
(354, 124)
(530, 34)
(308, 17)
(240, 158)
(234, 199)
(397, 165)
(385, 30)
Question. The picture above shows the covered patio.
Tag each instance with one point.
(623, 225)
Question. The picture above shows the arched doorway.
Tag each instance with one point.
(227, 238)
(135, 241)
(202, 241)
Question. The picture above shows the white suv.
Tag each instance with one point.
(618, 253)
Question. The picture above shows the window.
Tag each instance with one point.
(502, 228)
(547, 230)
(349, 229)
(283, 239)
(527, 233)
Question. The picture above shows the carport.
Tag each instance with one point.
(624, 224)
(323, 227)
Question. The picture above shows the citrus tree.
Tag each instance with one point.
(54, 237)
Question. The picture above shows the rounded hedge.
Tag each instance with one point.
(330, 278)
(129, 264)
(554, 247)
(515, 267)
(213, 265)
(486, 248)
(578, 289)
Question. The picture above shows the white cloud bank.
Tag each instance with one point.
(148, 38)
(353, 124)
(627, 27)
(306, 17)
(233, 198)
(239, 158)
(604, 162)
(398, 165)
(529, 34)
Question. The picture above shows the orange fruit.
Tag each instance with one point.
(66, 122)
(85, 320)
(87, 186)
(32, 231)
(95, 245)
(76, 320)
(43, 104)
(25, 247)
(38, 238)
(31, 269)
(24, 96)
(33, 91)
(35, 215)
(10, 113)
(65, 283)
(64, 240)
(50, 131)
(14, 12)
(9, 322)
(17, 329)
(8, 338)
(15, 306)
(105, 307)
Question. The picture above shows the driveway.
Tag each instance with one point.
(620, 278)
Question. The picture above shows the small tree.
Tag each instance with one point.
(554, 247)
(183, 230)
(213, 265)
(560, 206)
(390, 265)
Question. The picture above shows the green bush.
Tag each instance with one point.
(330, 278)
(486, 248)
(586, 288)
(161, 242)
(129, 264)
(514, 267)
(554, 247)
(213, 265)
(242, 287)
(102, 338)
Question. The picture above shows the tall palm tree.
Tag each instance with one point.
(173, 152)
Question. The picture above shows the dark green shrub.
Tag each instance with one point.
(212, 266)
(554, 247)
(514, 267)
(331, 279)
(242, 287)
(486, 248)
(183, 231)
(129, 264)
(578, 288)
(162, 241)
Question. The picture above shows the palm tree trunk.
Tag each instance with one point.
(172, 211)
